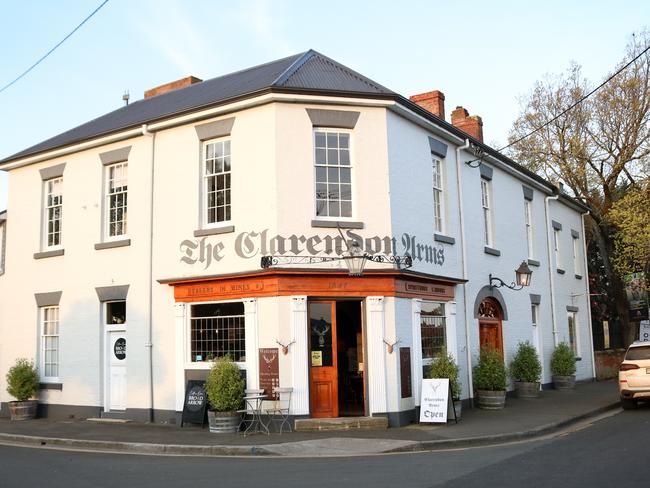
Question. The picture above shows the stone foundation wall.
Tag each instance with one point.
(607, 363)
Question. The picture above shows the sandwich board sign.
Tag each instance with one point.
(435, 400)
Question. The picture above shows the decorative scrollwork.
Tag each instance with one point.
(402, 262)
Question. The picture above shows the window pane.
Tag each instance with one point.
(320, 139)
(433, 329)
(344, 140)
(321, 174)
(332, 140)
(217, 330)
(321, 156)
(346, 209)
(116, 312)
(333, 175)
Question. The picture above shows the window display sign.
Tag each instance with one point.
(317, 358)
(435, 400)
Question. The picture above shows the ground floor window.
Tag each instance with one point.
(433, 330)
(217, 330)
(573, 337)
(50, 343)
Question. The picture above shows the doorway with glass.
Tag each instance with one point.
(336, 372)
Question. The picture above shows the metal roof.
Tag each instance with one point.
(305, 71)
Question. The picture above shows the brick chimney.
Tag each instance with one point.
(470, 124)
(433, 101)
(174, 85)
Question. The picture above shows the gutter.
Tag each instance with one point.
(461, 222)
(550, 266)
(588, 294)
(149, 343)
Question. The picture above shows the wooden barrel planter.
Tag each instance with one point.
(23, 410)
(525, 389)
(223, 422)
(491, 400)
(564, 382)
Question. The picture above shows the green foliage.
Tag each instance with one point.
(631, 217)
(444, 366)
(225, 386)
(490, 372)
(525, 366)
(22, 380)
(563, 360)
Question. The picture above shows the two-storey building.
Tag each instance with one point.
(133, 247)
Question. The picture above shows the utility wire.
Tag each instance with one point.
(572, 105)
(52, 50)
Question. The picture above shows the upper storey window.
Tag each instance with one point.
(53, 212)
(438, 196)
(333, 174)
(216, 182)
(116, 199)
(486, 201)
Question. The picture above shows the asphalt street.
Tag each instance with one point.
(610, 452)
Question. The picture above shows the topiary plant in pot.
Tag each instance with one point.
(225, 389)
(563, 367)
(490, 378)
(22, 384)
(526, 371)
(444, 366)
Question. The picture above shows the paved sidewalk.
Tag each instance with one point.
(520, 419)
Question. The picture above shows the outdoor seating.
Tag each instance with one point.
(251, 414)
(278, 409)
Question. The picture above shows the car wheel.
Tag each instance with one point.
(628, 404)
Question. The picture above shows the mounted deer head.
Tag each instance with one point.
(390, 346)
(285, 347)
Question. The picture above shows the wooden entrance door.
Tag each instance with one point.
(323, 372)
(490, 326)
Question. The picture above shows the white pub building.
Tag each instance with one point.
(219, 217)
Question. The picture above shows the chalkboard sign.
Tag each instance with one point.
(196, 401)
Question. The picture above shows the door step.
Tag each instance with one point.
(106, 420)
(341, 423)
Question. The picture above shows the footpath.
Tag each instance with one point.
(521, 419)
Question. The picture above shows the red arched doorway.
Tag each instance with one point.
(490, 326)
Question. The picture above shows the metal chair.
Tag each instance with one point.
(248, 414)
(278, 411)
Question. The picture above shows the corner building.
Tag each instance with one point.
(132, 246)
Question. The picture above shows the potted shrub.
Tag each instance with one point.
(526, 371)
(225, 389)
(563, 367)
(490, 380)
(444, 366)
(22, 384)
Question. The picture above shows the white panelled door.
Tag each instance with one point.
(116, 355)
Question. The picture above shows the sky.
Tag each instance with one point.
(482, 55)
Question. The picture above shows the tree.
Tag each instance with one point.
(631, 217)
(599, 150)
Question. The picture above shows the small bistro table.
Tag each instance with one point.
(254, 409)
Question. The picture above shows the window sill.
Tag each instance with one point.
(207, 365)
(213, 231)
(560, 271)
(50, 386)
(578, 277)
(534, 262)
(112, 244)
(333, 224)
(443, 238)
(49, 254)
(491, 251)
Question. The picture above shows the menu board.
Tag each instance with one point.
(269, 370)
(405, 371)
(195, 403)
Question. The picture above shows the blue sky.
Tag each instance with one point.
(482, 55)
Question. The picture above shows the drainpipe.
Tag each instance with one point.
(461, 221)
(586, 276)
(550, 265)
(149, 343)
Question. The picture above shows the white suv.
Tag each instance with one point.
(634, 375)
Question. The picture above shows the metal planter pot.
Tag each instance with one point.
(491, 400)
(223, 422)
(564, 382)
(526, 389)
(23, 410)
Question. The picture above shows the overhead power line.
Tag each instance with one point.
(573, 105)
(54, 48)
